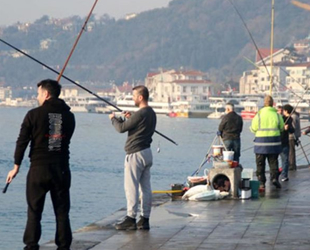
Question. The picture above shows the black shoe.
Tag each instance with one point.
(285, 179)
(32, 247)
(276, 183)
(143, 223)
(127, 224)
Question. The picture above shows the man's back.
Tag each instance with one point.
(50, 128)
(231, 126)
(267, 122)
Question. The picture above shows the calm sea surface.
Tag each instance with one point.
(97, 168)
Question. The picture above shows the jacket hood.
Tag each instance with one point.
(56, 103)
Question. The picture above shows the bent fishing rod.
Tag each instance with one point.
(76, 42)
(77, 84)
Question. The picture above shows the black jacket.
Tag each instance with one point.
(49, 128)
(231, 126)
(285, 133)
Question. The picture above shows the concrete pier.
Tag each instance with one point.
(278, 219)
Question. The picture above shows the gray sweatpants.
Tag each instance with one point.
(137, 176)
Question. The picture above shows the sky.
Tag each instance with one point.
(12, 11)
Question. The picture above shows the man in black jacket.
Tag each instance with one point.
(230, 129)
(48, 128)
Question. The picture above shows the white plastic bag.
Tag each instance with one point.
(194, 190)
(207, 195)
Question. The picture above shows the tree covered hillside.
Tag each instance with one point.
(206, 35)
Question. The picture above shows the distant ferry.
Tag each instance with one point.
(188, 109)
(127, 104)
(88, 104)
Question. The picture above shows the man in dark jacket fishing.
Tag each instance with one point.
(138, 161)
(230, 129)
(48, 128)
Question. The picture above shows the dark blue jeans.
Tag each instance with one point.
(234, 145)
(285, 160)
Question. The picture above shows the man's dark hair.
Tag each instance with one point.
(142, 90)
(53, 87)
(288, 108)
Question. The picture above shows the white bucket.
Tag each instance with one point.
(228, 155)
(217, 150)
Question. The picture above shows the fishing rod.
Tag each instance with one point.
(66, 63)
(301, 5)
(6, 187)
(76, 42)
(279, 82)
(250, 34)
(77, 84)
(256, 47)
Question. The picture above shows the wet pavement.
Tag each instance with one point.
(278, 219)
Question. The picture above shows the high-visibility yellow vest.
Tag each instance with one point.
(267, 126)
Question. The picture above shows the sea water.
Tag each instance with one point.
(97, 155)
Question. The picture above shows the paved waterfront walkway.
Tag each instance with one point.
(278, 219)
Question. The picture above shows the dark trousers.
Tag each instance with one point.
(292, 155)
(56, 179)
(284, 158)
(234, 145)
(261, 166)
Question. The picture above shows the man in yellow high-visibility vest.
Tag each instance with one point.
(267, 126)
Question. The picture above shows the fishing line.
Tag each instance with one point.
(82, 87)
(250, 34)
(279, 82)
(256, 47)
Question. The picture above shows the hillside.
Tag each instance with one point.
(206, 35)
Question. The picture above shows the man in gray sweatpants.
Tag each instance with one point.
(138, 161)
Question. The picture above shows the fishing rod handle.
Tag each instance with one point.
(5, 188)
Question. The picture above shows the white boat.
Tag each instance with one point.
(87, 103)
(127, 104)
(220, 102)
(217, 114)
(96, 105)
(251, 106)
(190, 109)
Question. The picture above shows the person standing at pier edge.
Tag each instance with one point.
(49, 128)
(139, 159)
(288, 128)
(230, 129)
(293, 137)
(267, 126)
